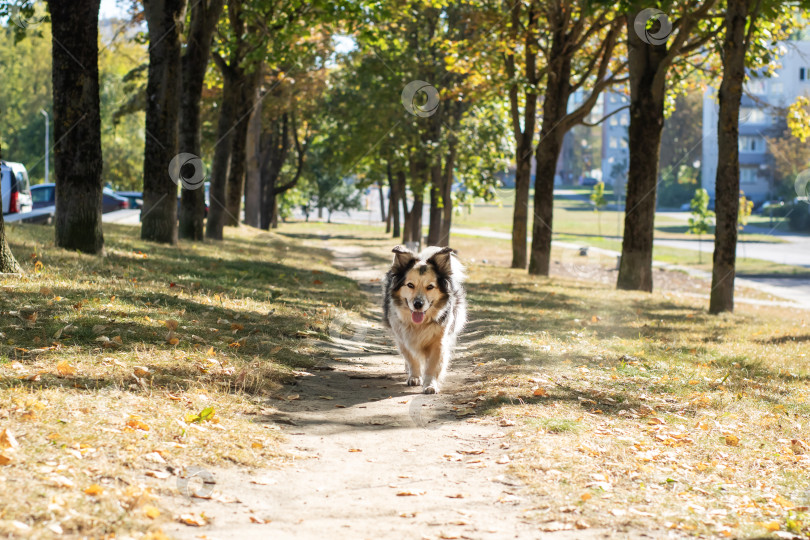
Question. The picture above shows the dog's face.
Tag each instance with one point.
(420, 289)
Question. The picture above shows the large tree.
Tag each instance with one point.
(579, 51)
(202, 22)
(163, 89)
(77, 125)
(651, 53)
(524, 79)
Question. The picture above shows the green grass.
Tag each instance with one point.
(576, 218)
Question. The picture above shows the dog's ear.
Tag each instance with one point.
(402, 257)
(441, 260)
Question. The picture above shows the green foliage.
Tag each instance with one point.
(701, 219)
(599, 201)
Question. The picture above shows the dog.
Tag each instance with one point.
(425, 305)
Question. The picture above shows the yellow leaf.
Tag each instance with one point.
(94, 490)
(151, 512)
(769, 525)
(7, 439)
(65, 369)
(171, 324)
(192, 520)
(256, 445)
(355, 450)
(585, 496)
(5, 459)
(732, 440)
(540, 392)
(135, 422)
(173, 341)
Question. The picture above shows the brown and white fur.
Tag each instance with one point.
(424, 304)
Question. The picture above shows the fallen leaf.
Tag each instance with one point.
(7, 439)
(171, 324)
(538, 391)
(192, 520)
(260, 521)
(95, 490)
(65, 369)
(769, 525)
(409, 493)
(135, 422)
(732, 440)
(355, 450)
(141, 371)
(151, 512)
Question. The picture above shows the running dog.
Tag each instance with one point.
(424, 304)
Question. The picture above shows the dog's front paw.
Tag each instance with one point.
(414, 381)
(433, 388)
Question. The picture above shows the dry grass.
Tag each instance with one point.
(106, 362)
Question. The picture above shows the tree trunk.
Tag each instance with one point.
(447, 194)
(274, 219)
(159, 215)
(407, 215)
(203, 19)
(524, 136)
(416, 218)
(236, 176)
(77, 125)
(222, 158)
(436, 203)
(382, 201)
(727, 183)
(8, 264)
(548, 151)
(647, 90)
(253, 178)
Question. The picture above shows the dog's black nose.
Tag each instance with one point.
(417, 304)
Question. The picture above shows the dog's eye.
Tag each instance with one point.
(430, 287)
(410, 285)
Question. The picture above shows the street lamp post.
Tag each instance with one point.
(47, 141)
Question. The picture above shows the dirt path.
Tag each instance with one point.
(377, 459)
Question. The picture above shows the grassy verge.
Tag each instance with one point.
(120, 373)
(577, 217)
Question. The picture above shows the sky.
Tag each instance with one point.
(109, 8)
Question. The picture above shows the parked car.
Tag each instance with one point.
(15, 189)
(588, 181)
(111, 202)
(135, 198)
(45, 195)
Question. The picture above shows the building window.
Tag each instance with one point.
(748, 175)
(756, 87)
(801, 74)
(613, 143)
(749, 143)
(751, 115)
(614, 121)
(624, 119)
(777, 88)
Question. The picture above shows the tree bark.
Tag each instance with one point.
(416, 218)
(727, 183)
(253, 174)
(393, 203)
(221, 165)
(163, 88)
(382, 201)
(548, 150)
(8, 264)
(203, 20)
(447, 194)
(247, 83)
(647, 92)
(524, 137)
(77, 125)
(407, 216)
(436, 203)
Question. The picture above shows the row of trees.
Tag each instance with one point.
(485, 83)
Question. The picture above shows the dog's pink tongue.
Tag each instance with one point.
(417, 316)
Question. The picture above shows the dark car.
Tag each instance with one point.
(135, 198)
(45, 195)
(588, 181)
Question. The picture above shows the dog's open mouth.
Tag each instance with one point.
(417, 316)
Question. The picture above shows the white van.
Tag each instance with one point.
(14, 187)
